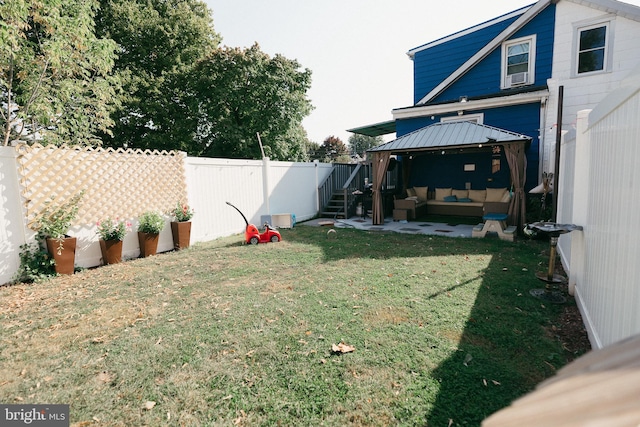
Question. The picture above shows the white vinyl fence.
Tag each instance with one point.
(599, 189)
(256, 187)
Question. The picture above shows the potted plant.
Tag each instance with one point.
(181, 226)
(149, 227)
(52, 226)
(111, 236)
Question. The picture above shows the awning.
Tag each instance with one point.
(377, 129)
(448, 135)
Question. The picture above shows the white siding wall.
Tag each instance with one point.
(248, 184)
(585, 92)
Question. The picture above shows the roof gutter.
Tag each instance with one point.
(479, 104)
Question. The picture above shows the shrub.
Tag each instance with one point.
(151, 222)
(113, 230)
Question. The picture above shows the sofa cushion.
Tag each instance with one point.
(478, 195)
(421, 192)
(441, 193)
(411, 192)
(506, 198)
(495, 194)
(460, 194)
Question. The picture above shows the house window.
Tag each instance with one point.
(474, 118)
(592, 49)
(518, 62)
(593, 46)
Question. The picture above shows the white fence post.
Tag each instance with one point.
(580, 199)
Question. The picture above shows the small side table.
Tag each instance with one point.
(495, 222)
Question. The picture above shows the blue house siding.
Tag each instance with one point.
(447, 170)
(431, 66)
(484, 78)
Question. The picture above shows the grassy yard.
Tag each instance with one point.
(444, 330)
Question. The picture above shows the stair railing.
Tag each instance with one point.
(344, 178)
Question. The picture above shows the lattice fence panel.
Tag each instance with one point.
(118, 183)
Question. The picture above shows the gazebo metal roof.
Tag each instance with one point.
(448, 135)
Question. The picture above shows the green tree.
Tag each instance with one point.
(55, 73)
(243, 92)
(314, 151)
(160, 42)
(334, 150)
(359, 144)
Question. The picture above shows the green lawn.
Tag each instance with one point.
(444, 330)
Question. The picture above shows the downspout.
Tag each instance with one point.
(543, 136)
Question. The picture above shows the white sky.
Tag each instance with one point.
(356, 49)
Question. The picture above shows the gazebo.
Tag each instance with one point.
(461, 136)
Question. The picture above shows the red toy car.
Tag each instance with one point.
(253, 236)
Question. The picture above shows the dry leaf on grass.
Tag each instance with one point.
(149, 405)
(105, 377)
(342, 348)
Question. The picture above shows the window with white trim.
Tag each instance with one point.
(592, 48)
(474, 118)
(518, 62)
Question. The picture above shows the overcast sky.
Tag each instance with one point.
(356, 49)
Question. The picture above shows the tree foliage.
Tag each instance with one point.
(334, 150)
(160, 42)
(361, 143)
(55, 74)
(144, 74)
(243, 92)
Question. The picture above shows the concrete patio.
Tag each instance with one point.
(409, 227)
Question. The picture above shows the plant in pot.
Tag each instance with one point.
(112, 233)
(181, 226)
(52, 226)
(150, 224)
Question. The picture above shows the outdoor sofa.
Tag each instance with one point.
(449, 201)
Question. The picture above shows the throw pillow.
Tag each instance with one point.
(421, 192)
(411, 192)
(465, 200)
(450, 199)
(495, 194)
(507, 197)
(460, 194)
(477, 195)
(441, 193)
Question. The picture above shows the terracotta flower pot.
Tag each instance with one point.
(148, 243)
(111, 251)
(63, 253)
(181, 232)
